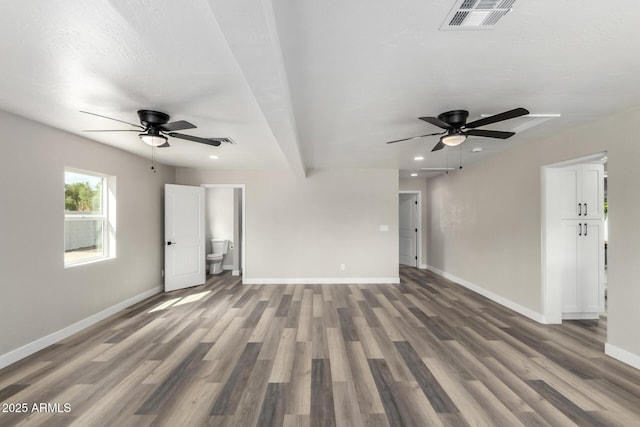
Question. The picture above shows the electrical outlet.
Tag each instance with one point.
(343, 267)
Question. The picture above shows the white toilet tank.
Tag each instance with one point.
(219, 246)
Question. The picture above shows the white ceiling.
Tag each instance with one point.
(307, 84)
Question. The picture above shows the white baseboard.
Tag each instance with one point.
(423, 267)
(37, 345)
(624, 356)
(323, 281)
(580, 316)
(235, 273)
(527, 312)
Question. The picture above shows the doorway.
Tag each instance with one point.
(573, 239)
(409, 223)
(225, 220)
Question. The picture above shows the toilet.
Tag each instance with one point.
(219, 248)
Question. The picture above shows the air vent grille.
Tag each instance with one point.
(506, 4)
(487, 4)
(476, 14)
(493, 17)
(468, 4)
(458, 18)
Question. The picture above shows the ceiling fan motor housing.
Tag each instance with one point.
(152, 118)
(455, 118)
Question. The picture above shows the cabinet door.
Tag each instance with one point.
(571, 297)
(581, 192)
(592, 199)
(569, 183)
(590, 266)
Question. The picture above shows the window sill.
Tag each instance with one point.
(88, 261)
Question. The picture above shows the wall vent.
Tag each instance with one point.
(476, 14)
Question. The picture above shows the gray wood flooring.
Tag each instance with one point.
(426, 352)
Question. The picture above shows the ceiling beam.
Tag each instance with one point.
(250, 29)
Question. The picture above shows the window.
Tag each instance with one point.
(87, 231)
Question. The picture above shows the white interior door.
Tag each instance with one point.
(408, 220)
(184, 250)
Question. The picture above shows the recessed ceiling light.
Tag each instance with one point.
(214, 157)
(418, 158)
(476, 149)
(414, 174)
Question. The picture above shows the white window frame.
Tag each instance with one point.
(107, 218)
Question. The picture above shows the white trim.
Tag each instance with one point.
(235, 273)
(527, 312)
(624, 356)
(37, 345)
(227, 267)
(580, 316)
(324, 281)
(423, 267)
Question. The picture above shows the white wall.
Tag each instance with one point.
(419, 185)
(485, 221)
(38, 295)
(304, 229)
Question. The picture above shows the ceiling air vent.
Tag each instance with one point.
(476, 14)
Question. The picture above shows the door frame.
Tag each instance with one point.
(552, 290)
(243, 258)
(419, 224)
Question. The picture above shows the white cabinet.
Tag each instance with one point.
(582, 271)
(573, 239)
(582, 187)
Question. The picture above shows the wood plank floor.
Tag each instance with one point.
(426, 352)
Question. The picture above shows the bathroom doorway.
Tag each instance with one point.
(225, 220)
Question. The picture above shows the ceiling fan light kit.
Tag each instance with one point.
(153, 137)
(453, 139)
(153, 140)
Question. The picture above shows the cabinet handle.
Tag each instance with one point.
(585, 210)
(579, 229)
(579, 209)
(585, 229)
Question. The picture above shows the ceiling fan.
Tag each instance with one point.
(155, 128)
(456, 128)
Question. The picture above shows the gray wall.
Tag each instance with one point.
(306, 228)
(485, 221)
(39, 295)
